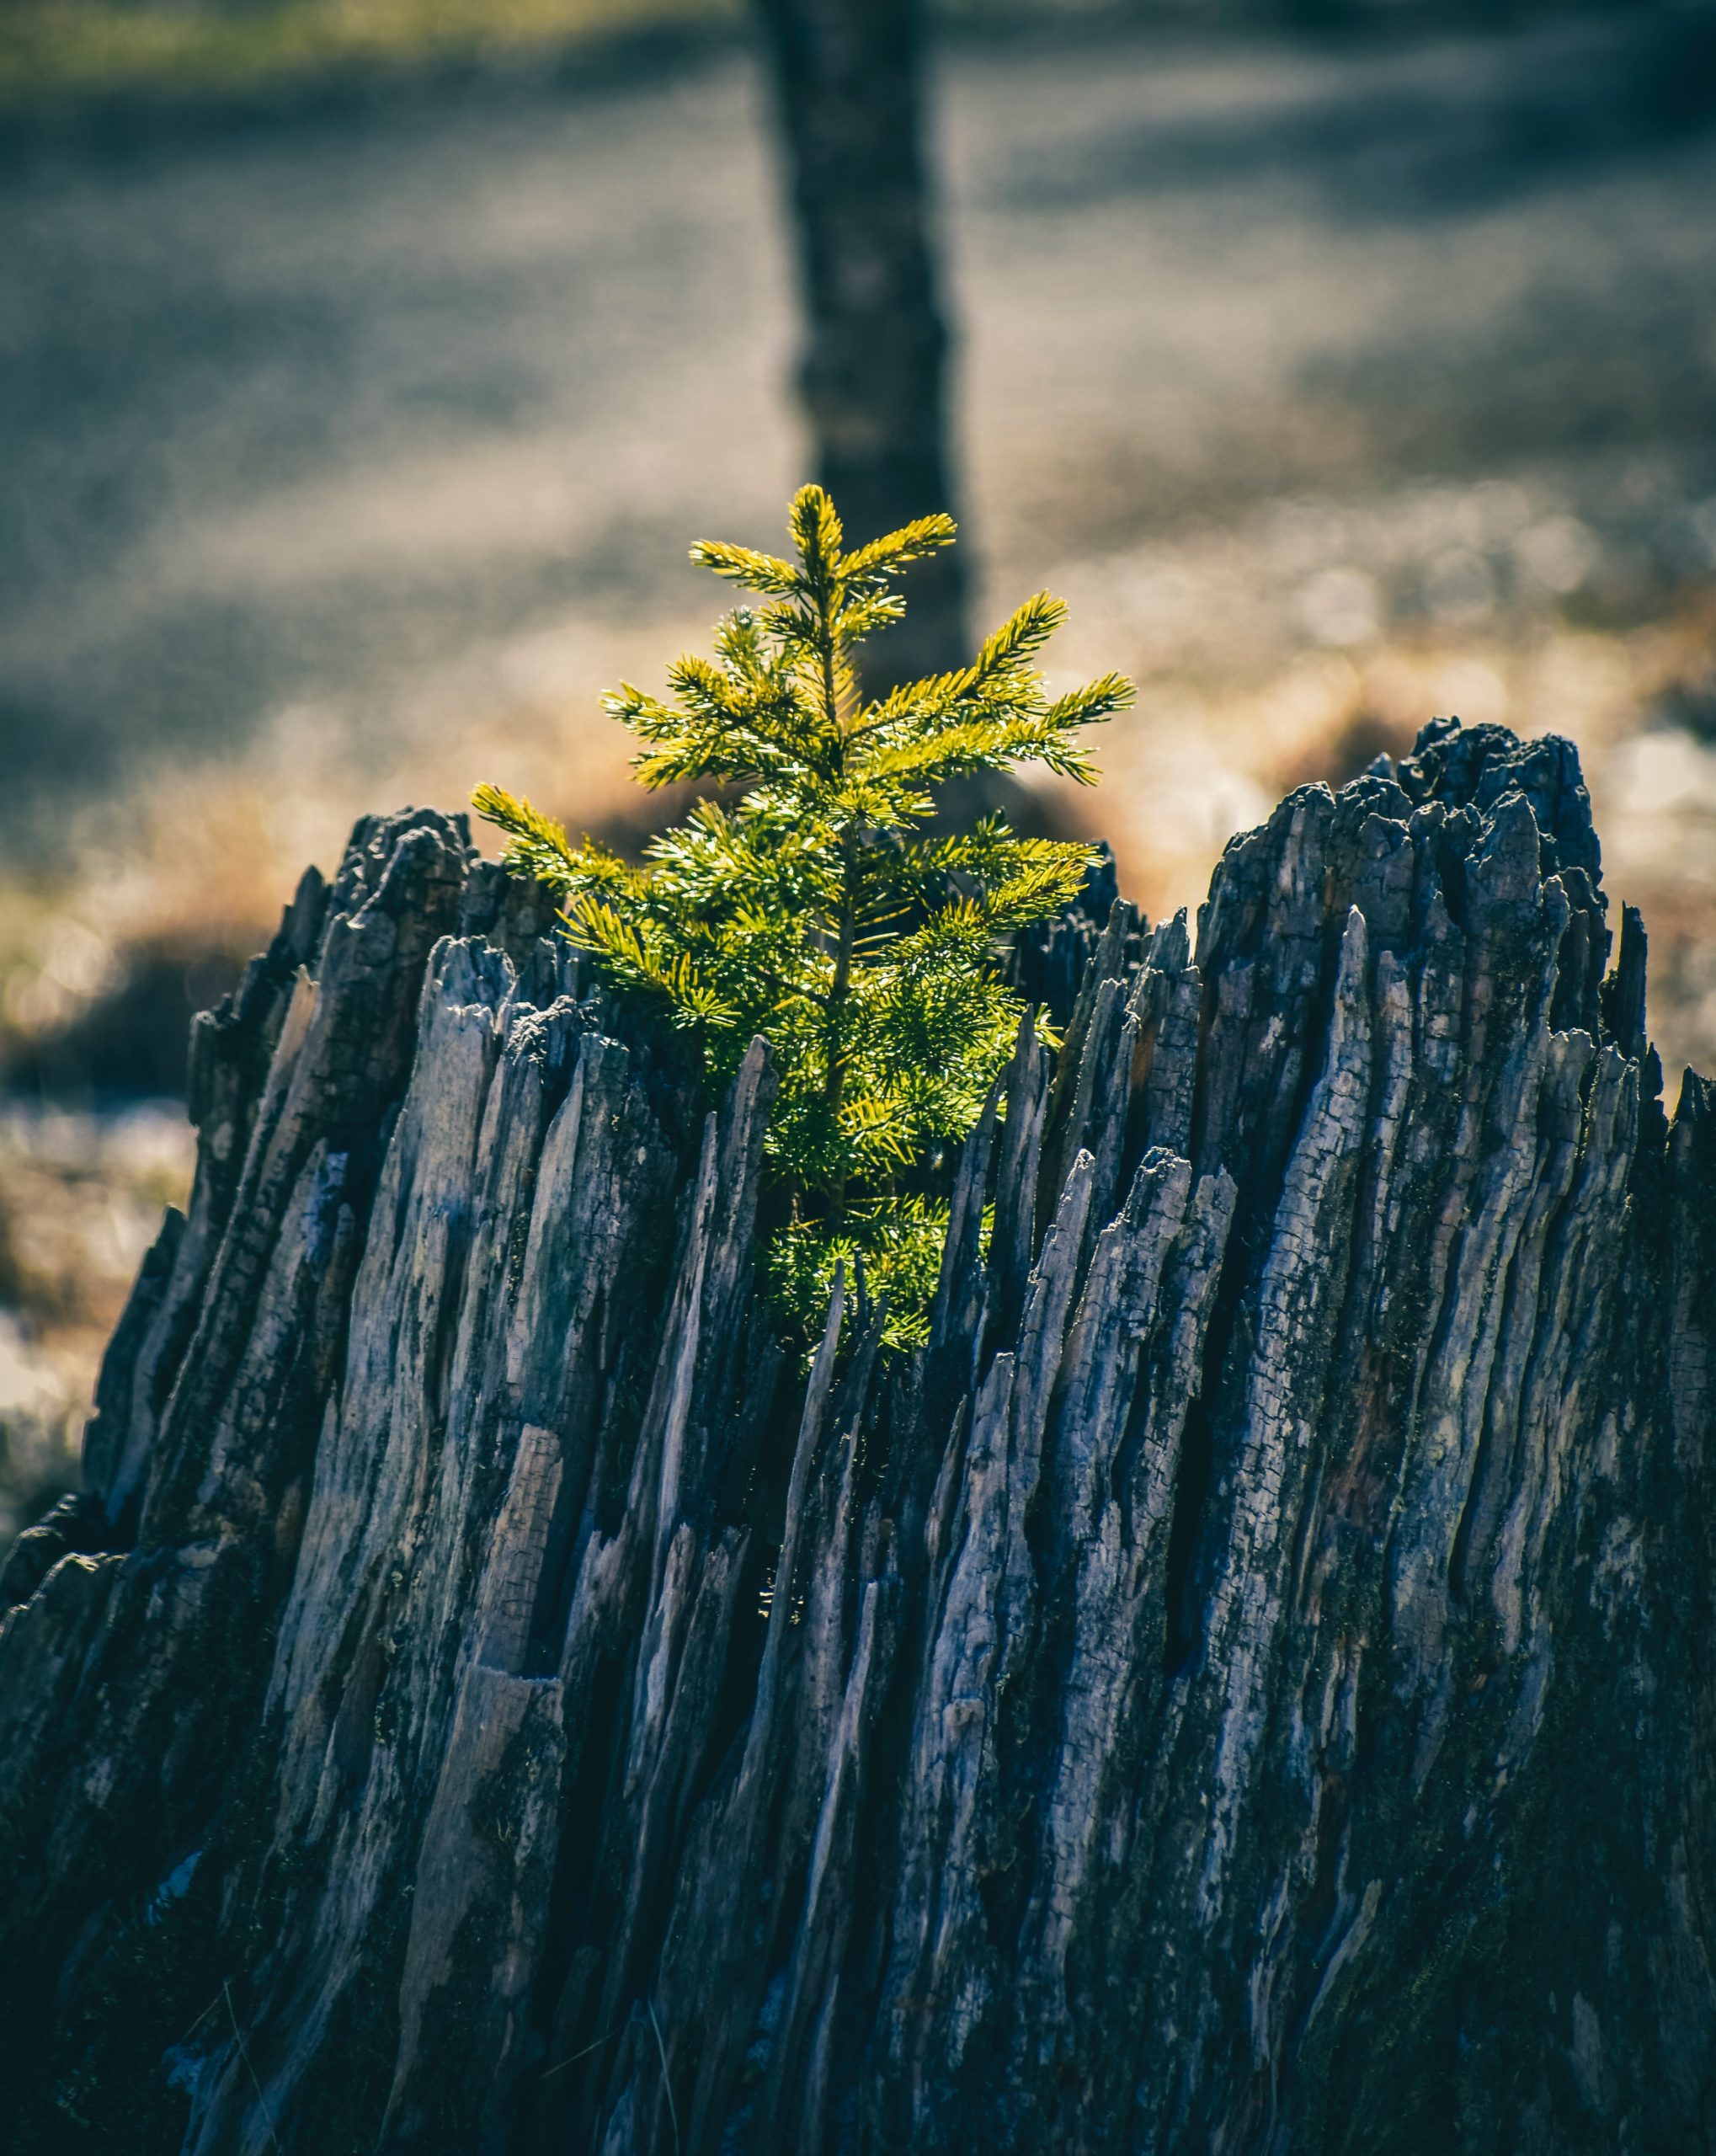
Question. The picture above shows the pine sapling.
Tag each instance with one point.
(818, 909)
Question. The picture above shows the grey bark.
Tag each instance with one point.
(1247, 1685)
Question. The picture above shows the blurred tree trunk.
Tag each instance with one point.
(847, 78)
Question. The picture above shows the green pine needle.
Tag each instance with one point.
(815, 911)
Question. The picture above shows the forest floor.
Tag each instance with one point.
(352, 453)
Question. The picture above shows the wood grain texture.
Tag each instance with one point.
(1245, 1685)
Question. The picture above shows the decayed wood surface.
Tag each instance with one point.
(1246, 1687)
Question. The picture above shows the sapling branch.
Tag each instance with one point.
(816, 911)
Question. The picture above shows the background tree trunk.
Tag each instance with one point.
(1247, 1684)
(847, 76)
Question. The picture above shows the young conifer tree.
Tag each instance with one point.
(817, 910)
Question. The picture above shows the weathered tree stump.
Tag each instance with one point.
(1246, 1686)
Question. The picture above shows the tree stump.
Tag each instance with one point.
(1245, 1686)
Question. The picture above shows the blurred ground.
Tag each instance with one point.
(350, 458)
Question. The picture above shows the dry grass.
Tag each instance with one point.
(53, 49)
(80, 1198)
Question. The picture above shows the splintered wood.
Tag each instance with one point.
(1246, 1685)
